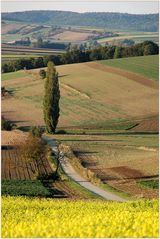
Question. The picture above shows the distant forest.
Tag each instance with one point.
(117, 21)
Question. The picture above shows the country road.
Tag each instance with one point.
(70, 171)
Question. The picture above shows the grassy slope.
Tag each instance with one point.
(145, 65)
(13, 75)
(85, 101)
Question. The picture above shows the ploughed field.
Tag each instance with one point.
(122, 161)
(93, 95)
(13, 166)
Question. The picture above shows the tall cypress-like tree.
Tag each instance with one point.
(51, 99)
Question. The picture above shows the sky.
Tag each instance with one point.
(128, 6)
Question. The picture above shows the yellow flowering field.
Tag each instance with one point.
(24, 217)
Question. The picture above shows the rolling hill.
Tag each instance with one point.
(93, 95)
(120, 21)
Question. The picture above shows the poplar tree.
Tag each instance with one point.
(51, 99)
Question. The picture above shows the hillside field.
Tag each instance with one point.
(93, 95)
(120, 161)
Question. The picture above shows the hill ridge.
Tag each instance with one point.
(110, 20)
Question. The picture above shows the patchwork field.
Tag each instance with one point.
(120, 161)
(93, 95)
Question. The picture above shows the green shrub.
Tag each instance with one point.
(61, 131)
(36, 131)
(42, 74)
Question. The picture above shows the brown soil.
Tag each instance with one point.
(126, 172)
(132, 76)
(131, 187)
(147, 125)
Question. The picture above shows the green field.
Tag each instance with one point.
(24, 187)
(144, 65)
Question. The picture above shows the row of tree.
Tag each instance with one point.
(77, 55)
(47, 44)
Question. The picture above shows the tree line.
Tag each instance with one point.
(78, 55)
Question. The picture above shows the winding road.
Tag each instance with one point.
(70, 171)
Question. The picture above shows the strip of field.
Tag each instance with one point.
(136, 37)
(148, 66)
(20, 49)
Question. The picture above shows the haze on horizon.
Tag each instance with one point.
(133, 7)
